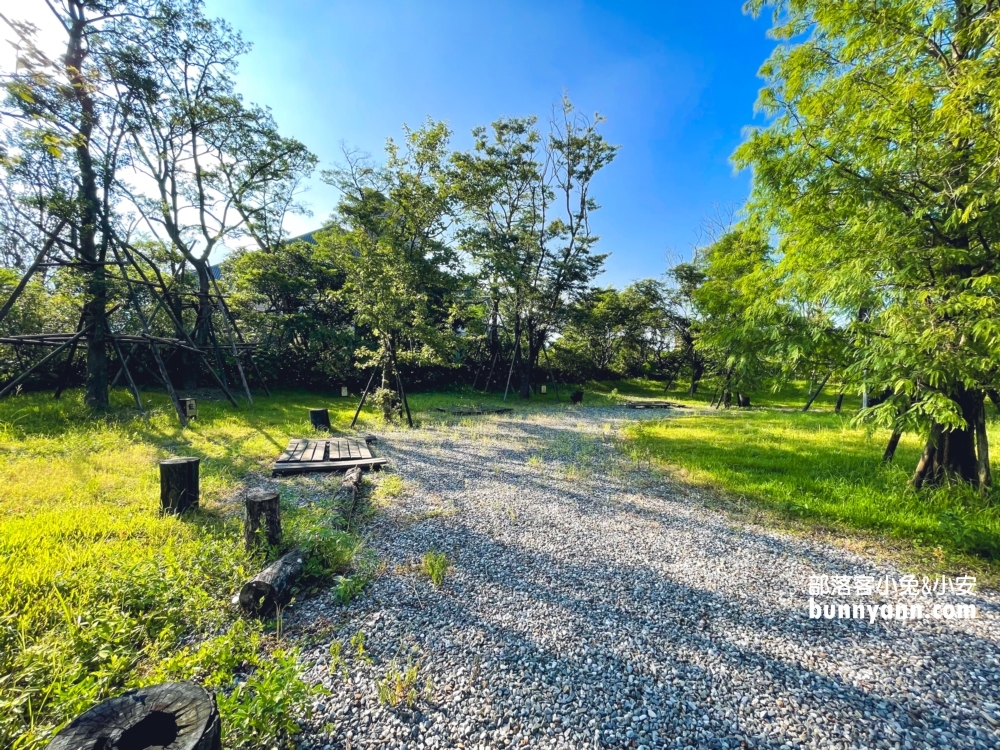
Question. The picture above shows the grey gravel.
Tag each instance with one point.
(593, 603)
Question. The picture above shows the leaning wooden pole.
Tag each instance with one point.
(20, 378)
(399, 385)
(31, 270)
(164, 375)
(232, 342)
(128, 376)
(231, 319)
(816, 393)
(364, 395)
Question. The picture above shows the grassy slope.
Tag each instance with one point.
(818, 471)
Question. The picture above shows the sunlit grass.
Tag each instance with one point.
(817, 468)
(95, 586)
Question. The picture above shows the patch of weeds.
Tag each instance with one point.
(390, 486)
(349, 586)
(358, 644)
(328, 550)
(398, 686)
(511, 513)
(260, 695)
(337, 662)
(434, 565)
(536, 462)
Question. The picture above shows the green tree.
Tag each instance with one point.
(62, 115)
(400, 276)
(879, 173)
(526, 204)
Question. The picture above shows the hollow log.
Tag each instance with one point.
(263, 511)
(320, 419)
(272, 587)
(179, 484)
(179, 715)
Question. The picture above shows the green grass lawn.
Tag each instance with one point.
(97, 589)
(819, 471)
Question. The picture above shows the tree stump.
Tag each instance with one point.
(742, 400)
(320, 419)
(263, 511)
(272, 587)
(576, 397)
(175, 715)
(179, 484)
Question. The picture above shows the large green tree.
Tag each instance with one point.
(879, 172)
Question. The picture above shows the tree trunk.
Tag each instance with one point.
(174, 714)
(90, 251)
(890, 449)
(840, 403)
(697, 370)
(816, 393)
(953, 454)
(263, 512)
(272, 587)
(524, 370)
(202, 333)
(983, 474)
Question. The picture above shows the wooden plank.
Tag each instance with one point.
(289, 452)
(365, 451)
(302, 468)
(315, 445)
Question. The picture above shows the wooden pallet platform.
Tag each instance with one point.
(305, 455)
(471, 411)
(653, 405)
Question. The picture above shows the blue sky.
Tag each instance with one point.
(676, 80)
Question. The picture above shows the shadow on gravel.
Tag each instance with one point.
(583, 629)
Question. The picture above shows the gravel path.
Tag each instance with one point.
(591, 604)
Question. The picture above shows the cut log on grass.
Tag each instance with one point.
(175, 715)
(263, 512)
(272, 587)
(179, 484)
(320, 419)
